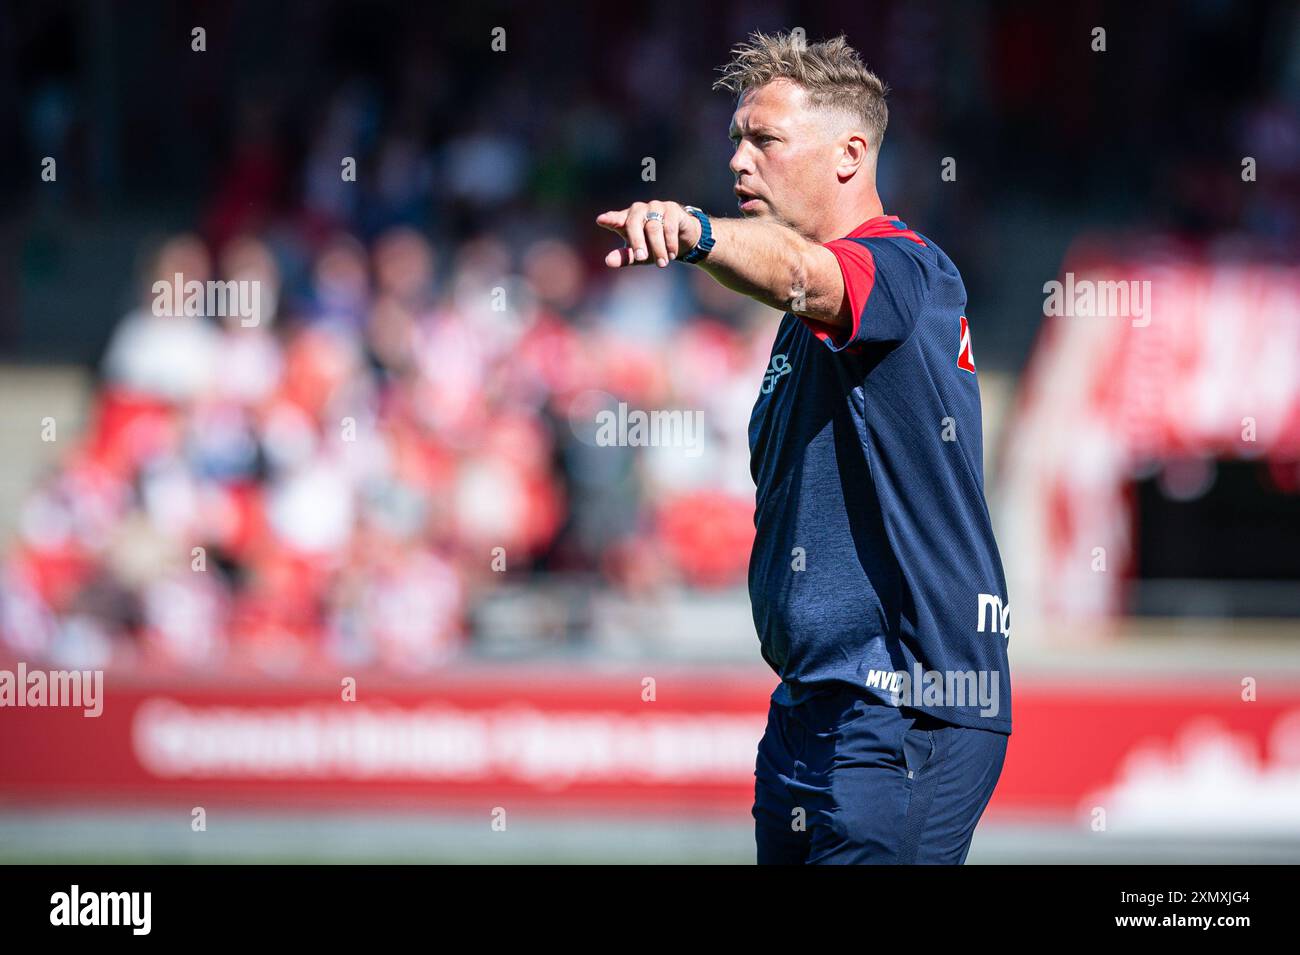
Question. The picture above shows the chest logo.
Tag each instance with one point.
(965, 359)
(779, 366)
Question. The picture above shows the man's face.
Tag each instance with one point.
(784, 159)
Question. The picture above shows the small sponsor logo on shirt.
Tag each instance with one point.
(778, 368)
(885, 680)
(965, 359)
(992, 612)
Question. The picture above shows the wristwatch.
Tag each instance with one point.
(705, 245)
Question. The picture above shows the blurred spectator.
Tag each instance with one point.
(332, 484)
(329, 485)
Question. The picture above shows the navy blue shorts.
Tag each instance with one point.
(846, 779)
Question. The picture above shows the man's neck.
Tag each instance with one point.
(841, 223)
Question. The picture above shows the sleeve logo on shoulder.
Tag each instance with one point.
(965, 358)
(779, 366)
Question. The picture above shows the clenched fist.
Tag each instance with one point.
(649, 238)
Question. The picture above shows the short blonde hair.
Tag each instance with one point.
(831, 73)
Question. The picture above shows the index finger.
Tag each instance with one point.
(613, 220)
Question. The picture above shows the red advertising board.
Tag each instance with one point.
(589, 741)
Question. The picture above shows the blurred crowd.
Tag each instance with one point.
(340, 482)
(410, 424)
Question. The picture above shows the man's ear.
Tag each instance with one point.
(854, 153)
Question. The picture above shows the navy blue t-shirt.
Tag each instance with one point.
(874, 554)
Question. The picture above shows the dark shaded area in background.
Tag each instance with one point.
(1231, 527)
(1049, 137)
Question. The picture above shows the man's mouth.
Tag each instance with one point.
(746, 199)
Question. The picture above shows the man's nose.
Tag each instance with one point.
(740, 161)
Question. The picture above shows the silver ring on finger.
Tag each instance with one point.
(654, 215)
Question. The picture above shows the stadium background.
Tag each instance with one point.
(418, 404)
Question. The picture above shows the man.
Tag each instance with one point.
(877, 589)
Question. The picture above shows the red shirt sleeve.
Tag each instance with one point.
(858, 267)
